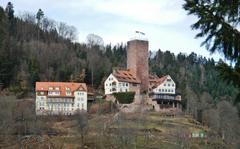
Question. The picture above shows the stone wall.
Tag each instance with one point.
(137, 61)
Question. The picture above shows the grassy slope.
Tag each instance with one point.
(146, 130)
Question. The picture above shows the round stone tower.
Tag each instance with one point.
(137, 60)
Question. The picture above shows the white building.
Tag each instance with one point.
(121, 81)
(163, 94)
(164, 85)
(60, 98)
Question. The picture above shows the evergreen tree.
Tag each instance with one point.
(39, 16)
(10, 11)
(218, 22)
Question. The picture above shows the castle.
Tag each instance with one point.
(161, 94)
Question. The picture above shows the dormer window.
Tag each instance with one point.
(50, 88)
(56, 88)
(68, 93)
(67, 89)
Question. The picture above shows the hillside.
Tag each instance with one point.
(45, 50)
(34, 49)
(104, 127)
(144, 130)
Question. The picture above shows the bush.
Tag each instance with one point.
(124, 97)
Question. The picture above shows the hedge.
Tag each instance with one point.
(124, 97)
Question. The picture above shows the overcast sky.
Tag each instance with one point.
(165, 23)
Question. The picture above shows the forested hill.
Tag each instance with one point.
(34, 49)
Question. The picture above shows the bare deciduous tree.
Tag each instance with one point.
(82, 124)
(229, 122)
(94, 40)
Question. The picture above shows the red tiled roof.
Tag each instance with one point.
(153, 78)
(44, 86)
(126, 76)
(157, 81)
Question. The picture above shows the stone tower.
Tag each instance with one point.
(137, 61)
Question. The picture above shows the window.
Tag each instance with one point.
(106, 84)
(82, 106)
(126, 84)
(42, 93)
(79, 93)
(160, 90)
(82, 99)
(57, 88)
(68, 93)
(165, 90)
(126, 90)
(168, 90)
(172, 84)
(169, 80)
(168, 84)
(50, 88)
(164, 84)
(110, 90)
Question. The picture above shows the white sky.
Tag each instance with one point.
(164, 22)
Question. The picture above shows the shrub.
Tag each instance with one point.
(124, 97)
